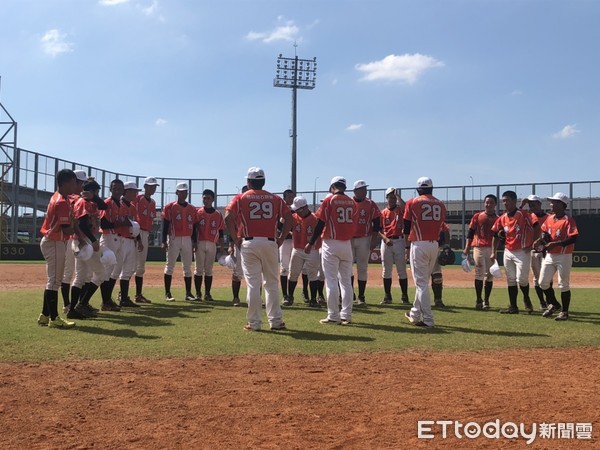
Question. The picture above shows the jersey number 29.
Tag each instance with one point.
(261, 210)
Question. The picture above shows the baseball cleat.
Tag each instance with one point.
(279, 327)
(111, 307)
(66, 308)
(208, 298)
(60, 323)
(405, 299)
(386, 301)
(329, 322)
(321, 300)
(410, 319)
(528, 306)
(562, 316)
(543, 306)
(169, 297)
(189, 297)
(127, 303)
(248, 327)
(75, 315)
(43, 320)
(486, 305)
(549, 311)
(510, 310)
(479, 305)
(288, 301)
(139, 298)
(236, 302)
(439, 303)
(345, 322)
(313, 304)
(361, 300)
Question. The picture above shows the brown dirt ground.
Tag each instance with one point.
(275, 401)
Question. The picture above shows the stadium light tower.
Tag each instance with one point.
(295, 73)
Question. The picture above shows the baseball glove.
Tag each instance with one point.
(446, 256)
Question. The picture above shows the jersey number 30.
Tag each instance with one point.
(261, 210)
(431, 212)
(344, 215)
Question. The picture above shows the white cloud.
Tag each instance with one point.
(149, 10)
(406, 68)
(160, 122)
(566, 132)
(112, 2)
(354, 127)
(54, 43)
(288, 32)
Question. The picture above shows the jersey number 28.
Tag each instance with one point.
(431, 212)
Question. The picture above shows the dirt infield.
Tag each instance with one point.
(276, 401)
(16, 276)
(273, 401)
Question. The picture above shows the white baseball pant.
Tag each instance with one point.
(337, 266)
(301, 261)
(141, 257)
(517, 264)
(126, 264)
(54, 255)
(91, 270)
(361, 250)
(112, 242)
(536, 266)
(179, 245)
(394, 255)
(205, 258)
(238, 272)
(553, 263)
(69, 263)
(260, 262)
(285, 253)
(483, 262)
(423, 256)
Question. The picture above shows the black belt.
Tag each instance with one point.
(252, 237)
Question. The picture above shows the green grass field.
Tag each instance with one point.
(184, 329)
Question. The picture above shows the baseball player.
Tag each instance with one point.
(393, 246)
(146, 213)
(423, 219)
(179, 238)
(479, 238)
(210, 227)
(557, 241)
(110, 219)
(303, 228)
(259, 212)
(519, 229)
(285, 251)
(535, 207)
(336, 221)
(65, 286)
(58, 225)
(237, 273)
(365, 236)
(89, 274)
(437, 279)
(131, 243)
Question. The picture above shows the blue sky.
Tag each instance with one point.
(500, 91)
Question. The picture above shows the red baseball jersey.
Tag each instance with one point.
(111, 214)
(560, 229)
(258, 212)
(366, 211)
(146, 211)
(391, 222)
(182, 218)
(481, 224)
(72, 200)
(303, 231)
(518, 229)
(58, 214)
(338, 212)
(427, 215)
(209, 225)
(88, 208)
(126, 211)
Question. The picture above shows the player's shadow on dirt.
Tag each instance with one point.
(127, 333)
(450, 328)
(306, 335)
